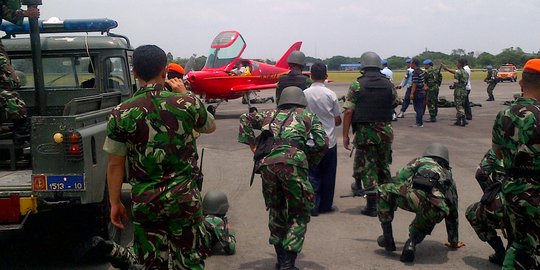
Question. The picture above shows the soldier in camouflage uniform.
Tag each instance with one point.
(153, 131)
(256, 99)
(487, 215)
(11, 103)
(424, 187)
(516, 141)
(460, 92)
(297, 62)
(299, 141)
(432, 80)
(491, 80)
(222, 238)
(368, 109)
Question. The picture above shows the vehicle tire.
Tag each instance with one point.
(211, 109)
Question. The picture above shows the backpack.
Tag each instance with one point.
(265, 140)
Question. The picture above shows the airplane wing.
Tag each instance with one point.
(252, 87)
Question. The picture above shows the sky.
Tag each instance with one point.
(326, 28)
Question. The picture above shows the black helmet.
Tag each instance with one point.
(292, 95)
(215, 203)
(437, 150)
(297, 57)
(370, 59)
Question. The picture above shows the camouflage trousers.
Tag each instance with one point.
(222, 238)
(485, 219)
(392, 196)
(169, 226)
(289, 198)
(522, 197)
(122, 257)
(459, 99)
(12, 104)
(371, 164)
(433, 101)
(490, 88)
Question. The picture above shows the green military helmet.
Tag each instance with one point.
(292, 95)
(370, 59)
(215, 203)
(297, 57)
(437, 150)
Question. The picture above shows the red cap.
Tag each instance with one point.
(532, 65)
(176, 68)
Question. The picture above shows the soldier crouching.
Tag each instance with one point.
(425, 187)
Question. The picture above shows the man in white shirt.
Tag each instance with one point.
(468, 111)
(386, 71)
(324, 103)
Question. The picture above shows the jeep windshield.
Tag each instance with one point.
(506, 69)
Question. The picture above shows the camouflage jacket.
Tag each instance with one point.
(461, 78)
(443, 196)
(301, 126)
(154, 130)
(369, 133)
(491, 76)
(430, 78)
(489, 170)
(516, 135)
(223, 237)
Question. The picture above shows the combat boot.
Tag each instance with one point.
(407, 255)
(280, 252)
(387, 239)
(371, 206)
(458, 121)
(432, 119)
(289, 258)
(497, 245)
(463, 121)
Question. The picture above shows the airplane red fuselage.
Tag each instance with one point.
(218, 84)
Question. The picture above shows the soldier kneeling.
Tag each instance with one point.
(425, 187)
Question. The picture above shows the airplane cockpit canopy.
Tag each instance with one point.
(226, 47)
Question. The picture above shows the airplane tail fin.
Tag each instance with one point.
(282, 63)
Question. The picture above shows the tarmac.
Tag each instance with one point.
(345, 239)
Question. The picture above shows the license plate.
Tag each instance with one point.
(65, 182)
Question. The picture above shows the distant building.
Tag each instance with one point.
(349, 67)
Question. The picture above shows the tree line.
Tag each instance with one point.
(512, 55)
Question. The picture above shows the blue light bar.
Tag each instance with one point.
(54, 25)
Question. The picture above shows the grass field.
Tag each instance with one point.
(349, 76)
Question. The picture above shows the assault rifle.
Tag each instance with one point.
(359, 193)
(200, 175)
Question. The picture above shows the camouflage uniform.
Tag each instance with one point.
(288, 195)
(491, 80)
(485, 219)
(154, 130)
(430, 207)
(515, 136)
(460, 93)
(221, 235)
(373, 143)
(10, 101)
(431, 80)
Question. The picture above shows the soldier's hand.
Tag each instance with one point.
(455, 245)
(118, 215)
(253, 148)
(346, 142)
(176, 85)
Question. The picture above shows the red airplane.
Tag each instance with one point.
(216, 79)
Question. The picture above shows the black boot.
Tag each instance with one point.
(387, 239)
(432, 119)
(21, 130)
(458, 121)
(371, 206)
(497, 245)
(409, 249)
(289, 258)
(463, 121)
(280, 252)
